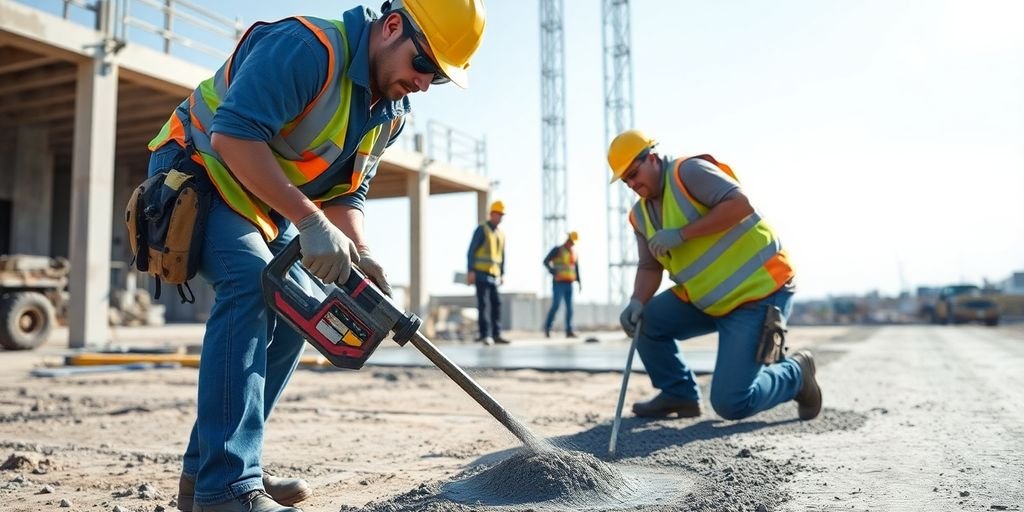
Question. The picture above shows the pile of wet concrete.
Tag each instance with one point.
(668, 465)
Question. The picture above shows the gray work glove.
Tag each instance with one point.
(374, 271)
(326, 251)
(665, 240)
(630, 316)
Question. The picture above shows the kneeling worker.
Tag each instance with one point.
(731, 275)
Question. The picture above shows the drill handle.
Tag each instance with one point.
(278, 267)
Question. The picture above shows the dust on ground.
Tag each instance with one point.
(393, 439)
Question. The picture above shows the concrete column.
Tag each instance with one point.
(92, 181)
(418, 190)
(482, 206)
(32, 197)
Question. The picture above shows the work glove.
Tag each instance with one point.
(326, 251)
(374, 271)
(630, 316)
(665, 240)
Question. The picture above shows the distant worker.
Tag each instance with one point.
(486, 270)
(290, 130)
(564, 267)
(732, 276)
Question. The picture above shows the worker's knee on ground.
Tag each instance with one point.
(731, 406)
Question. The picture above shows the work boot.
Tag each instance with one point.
(286, 491)
(570, 334)
(547, 333)
(501, 341)
(808, 400)
(253, 501)
(486, 340)
(665, 405)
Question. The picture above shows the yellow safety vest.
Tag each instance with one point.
(305, 147)
(488, 256)
(564, 265)
(717, 273)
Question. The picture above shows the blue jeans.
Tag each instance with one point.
(247, 356)
(488, 305)
(560, 292)
(740, 386)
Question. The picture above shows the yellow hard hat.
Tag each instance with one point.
(453, 29)
(624, 149)
(498, 207)
(574, 236)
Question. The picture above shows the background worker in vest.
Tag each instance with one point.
(730, 270)
(561, 261)
(292, 154)
(486, 270)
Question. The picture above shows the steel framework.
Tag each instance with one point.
(618, 116)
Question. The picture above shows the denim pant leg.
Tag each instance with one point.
(567, 295)
(481, 307)
(667, 318)
(227, 441)
(741, 386)
(557, 291)
(285, 345)
(495, 300)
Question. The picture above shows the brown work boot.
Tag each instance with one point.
(286, 491)
(665, 405)
(253, 501)
(808, 400)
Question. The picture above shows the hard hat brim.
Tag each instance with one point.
(457, 75)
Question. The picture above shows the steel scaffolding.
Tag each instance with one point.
(618, 116)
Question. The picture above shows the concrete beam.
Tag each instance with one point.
(46, 34)
(37, 79)
(91, 202)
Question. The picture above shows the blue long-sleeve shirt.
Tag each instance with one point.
(479, 238)
(279, 68)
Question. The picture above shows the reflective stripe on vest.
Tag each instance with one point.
(719, 272)
(320, 130)
(488, 256)
(564, 265)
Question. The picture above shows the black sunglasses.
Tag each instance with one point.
(420, 62)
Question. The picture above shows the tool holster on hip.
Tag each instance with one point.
(772, 345)
(166, 218)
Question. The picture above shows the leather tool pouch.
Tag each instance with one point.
(772, 345)
(166, 218)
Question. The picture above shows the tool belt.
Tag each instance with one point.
(166, 219)
(772, 345)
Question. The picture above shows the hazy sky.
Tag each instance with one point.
(883, 140)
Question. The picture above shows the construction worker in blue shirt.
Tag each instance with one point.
(290, 130)
(732, 276)
(485, 269)
(564, 266)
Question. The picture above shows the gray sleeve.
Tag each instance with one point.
(706, 182)
(646, 260)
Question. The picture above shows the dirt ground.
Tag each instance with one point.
(916, 418)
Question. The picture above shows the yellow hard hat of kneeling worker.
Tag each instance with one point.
(498, 207)
(453, 28)
(574, 236)
(625, 148)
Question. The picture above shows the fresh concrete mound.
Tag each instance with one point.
(549, 475)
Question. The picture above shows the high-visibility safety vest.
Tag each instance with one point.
(488, 256)
(564, 265)
(305, 147)
(719, 272)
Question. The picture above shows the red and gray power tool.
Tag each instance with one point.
(346, 326)
(347, 323)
